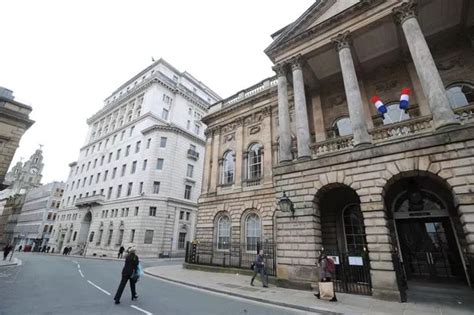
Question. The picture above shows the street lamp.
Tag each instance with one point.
(286, 205)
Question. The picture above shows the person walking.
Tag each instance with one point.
(129, 273)
(69, 250)
(6, 251)
(120, 252)
(326, 271)
(259, 268)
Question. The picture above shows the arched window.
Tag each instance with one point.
(354, 229)
(394, 114)
(255, 161)
(252, 231)
(342, 127)
(228, 168)
(223, 232)
(460, 95)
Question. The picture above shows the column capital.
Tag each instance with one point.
(406, 11)
(342, 40)
(280, 68)
(296, 62)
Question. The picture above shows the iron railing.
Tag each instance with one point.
(352, 272)
(236, 255)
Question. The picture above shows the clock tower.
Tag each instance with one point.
(31, 173)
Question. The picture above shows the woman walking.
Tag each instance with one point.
(129, 273)
(326, 271)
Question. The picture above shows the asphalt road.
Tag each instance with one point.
(46, 284)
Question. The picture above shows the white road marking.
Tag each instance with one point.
(75, 262)
(81, 273)
(141, 310)
(95, 285)
(78, 266)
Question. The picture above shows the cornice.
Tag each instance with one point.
(359, 8)
(14, 115)
(175, 129)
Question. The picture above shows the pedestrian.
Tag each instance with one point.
(69, 250)
(120, 252)
(65, 250)
(6, 251)
(19, 248)
(326, 271)
(259, 268)
(129, 273)
(47, 249)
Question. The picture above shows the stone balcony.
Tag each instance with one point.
(91, 201)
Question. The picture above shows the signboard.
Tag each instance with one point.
(335, 259)
(356, 261)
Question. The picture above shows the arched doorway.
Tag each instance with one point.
(343, 237)
(84, 231)
(427, 229)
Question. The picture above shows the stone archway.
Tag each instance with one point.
(426, 228)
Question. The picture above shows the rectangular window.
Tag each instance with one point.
(156, 187)
(134, 167)
(152, 211)
(192, 147)
(124, 168)
(131, 131)
(122, 135)
(102, 192)
(137, 146)
(187, 192)
(105, 175)
(118, 154)
(196, 129)
(109, 193)
(102, 160)
(126, 212)
(95, 163)
(159, 164)
(181, 240)
(141, 188)
(132, 236)
(188, 124)
(127, 150)
(129, 189)
(120, 237)
(144, 164)
(90, 179)
(119, 191)
(148, 143)
(136, 210)
(84, 181)
(88, 165)
(163, 142)
(109, 240)
(187, 216)
(97, 178)
(114, 172)
(110, 157)
(181, 215)
(114, 138)
(148, 236)
(99, 239)
(190, 171)
(164, 114)
(82, 168)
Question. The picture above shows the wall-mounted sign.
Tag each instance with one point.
(356, 261)
(335, 259)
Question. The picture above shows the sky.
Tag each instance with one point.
(65, 57)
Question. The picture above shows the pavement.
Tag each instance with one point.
(239, 285)
(13, 262)
(56, 284)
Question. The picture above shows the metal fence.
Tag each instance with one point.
(237, 255)
(352, 272)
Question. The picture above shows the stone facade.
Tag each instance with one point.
(138, 177)
(344, 166)
(14, 121)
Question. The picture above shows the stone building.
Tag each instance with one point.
(20, 180)
(389, 197)
(138, 177)
(14, 121)
(38, 212)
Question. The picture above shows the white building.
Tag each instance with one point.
(36, 219)
(138, 177)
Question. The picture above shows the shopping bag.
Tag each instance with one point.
(326, 290)
(140, 270)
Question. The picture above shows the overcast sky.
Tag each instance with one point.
(65, 57)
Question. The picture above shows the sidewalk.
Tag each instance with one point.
(239, 285)
(13, 262)
(144, 259)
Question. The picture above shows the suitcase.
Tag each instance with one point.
(326, 290)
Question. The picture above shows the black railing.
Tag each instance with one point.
(235, 255)
(352, 272)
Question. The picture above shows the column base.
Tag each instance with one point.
(363, 145)
(448, 125)
(304, 158)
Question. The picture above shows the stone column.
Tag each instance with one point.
(239, 136)
(214, 174)
(284, 133)
(301, 113)
(418, 90)
(351, 87)
(207, 162)
(433, 87)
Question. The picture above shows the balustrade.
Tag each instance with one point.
(402, 129)
(465, 114)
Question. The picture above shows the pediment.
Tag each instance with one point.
(320, 11)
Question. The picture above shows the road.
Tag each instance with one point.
(47, 284)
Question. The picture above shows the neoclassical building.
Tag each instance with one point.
(303, 162)
(138, 176)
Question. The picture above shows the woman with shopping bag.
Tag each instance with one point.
(130, 272)
(327, 269)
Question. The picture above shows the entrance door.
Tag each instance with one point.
(429, 249)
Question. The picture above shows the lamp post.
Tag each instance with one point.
(286, 205)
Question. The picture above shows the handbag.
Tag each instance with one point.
(140, 270)
(326, 290)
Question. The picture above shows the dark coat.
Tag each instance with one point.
(259, 262)
(131, 265)
(121, 249)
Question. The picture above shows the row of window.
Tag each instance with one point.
(252, 231)
(253, 165)
(148, 239)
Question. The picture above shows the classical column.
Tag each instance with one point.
(207, 161)
(284, 133)
(214, 175)
(239, 136)
(351, 86)
(301, 113)
(425, 66)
